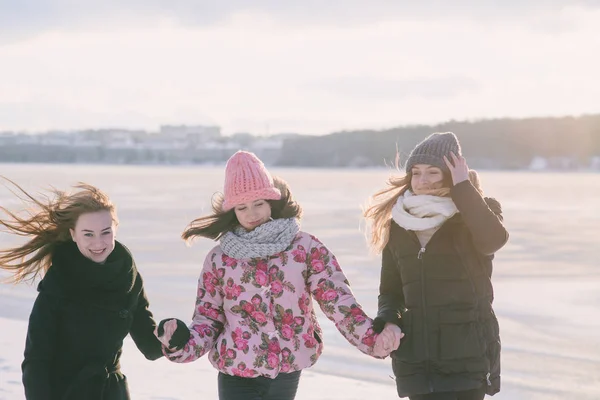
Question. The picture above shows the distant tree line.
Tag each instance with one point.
(496, 143)
(555, 143)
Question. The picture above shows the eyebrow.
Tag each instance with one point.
(87, 230)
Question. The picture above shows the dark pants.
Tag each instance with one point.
(283, 387)
(475, 394)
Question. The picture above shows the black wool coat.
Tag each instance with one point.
(441, 296)
(82, 313)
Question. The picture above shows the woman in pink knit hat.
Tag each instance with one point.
(254, 313)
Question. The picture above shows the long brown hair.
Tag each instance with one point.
(47, 221)
(218, 223)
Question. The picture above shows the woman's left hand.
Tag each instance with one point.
(388, 340)
(458, 168)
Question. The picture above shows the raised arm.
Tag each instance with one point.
(484, 223)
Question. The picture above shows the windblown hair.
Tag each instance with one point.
(218, 223)
(46, 221)
(378, 211)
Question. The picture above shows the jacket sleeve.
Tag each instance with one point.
(208, 319)
(40, 347)
(330, 288)
(391, 296)
(483, 218)
(142, 328)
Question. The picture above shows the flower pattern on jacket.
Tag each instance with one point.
(256, 316)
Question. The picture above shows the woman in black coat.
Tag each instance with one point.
(90, 298)
(438, 235)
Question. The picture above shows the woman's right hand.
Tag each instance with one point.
(172, 333)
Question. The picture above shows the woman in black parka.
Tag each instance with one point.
(90, 298)
(437, 235)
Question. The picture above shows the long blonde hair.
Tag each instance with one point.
(378, 210)
(47, 221)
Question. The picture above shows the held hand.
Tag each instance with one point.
(394, 335)
(388, 340)
(172, 333)
(458, 168)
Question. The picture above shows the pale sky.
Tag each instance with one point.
(308, 66)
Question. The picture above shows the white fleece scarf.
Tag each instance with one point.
(422, 212)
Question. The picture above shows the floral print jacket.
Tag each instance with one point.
(256, 316)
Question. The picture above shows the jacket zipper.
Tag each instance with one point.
(424, 304)
(422, 250)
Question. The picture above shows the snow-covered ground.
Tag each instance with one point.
(547, 279)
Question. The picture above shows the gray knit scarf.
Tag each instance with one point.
(265, 240)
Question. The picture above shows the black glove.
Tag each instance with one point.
(378, 324)
(179, 337)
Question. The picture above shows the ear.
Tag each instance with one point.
(72, 231)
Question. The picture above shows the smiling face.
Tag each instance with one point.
(253, 213)
(425, 178)
(94, 234)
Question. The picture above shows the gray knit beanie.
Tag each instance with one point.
(433, 149)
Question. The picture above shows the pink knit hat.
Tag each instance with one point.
(247, 179)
